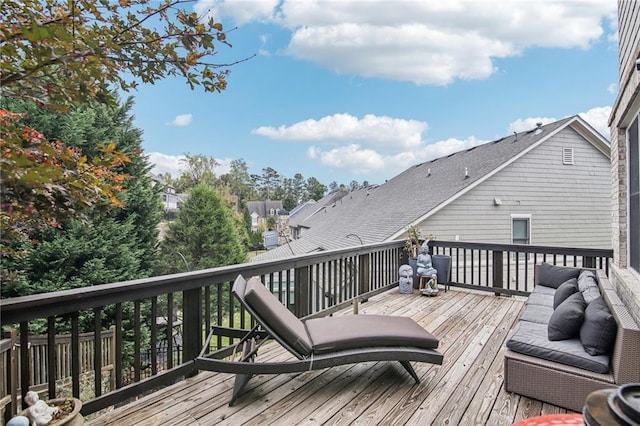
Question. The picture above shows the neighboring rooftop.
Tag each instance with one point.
(381, 212)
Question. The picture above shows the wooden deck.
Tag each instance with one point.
(466, 390)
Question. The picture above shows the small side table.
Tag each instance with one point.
(552, 420)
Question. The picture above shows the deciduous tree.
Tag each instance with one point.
(61, 52)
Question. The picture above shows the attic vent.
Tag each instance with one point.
(538, 128)
(567, 156)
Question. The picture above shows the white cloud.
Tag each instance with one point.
(524, 124)
(163, 163)
(240, 12)
(365, 161)
(182, 120)
(612, 88)
(597, 117)
(380, 132)
(425, 42)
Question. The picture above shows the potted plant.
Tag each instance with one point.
(412, 248)
(412, 243)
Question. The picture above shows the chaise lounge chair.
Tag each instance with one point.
(316, 343)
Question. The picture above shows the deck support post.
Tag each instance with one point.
(302, 293)
(497, 266)
(192, 324)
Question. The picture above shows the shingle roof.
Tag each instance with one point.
(262, 208)
(380, 213)
(298, 215)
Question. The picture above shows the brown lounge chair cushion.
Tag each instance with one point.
(331, 334)
(277, 317)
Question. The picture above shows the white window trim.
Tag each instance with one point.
(521, 216)
(568, 157)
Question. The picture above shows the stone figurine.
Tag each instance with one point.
(39, 412)
(426, 270)
(406, 279)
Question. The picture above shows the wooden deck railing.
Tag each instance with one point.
(508, 268)
(149, 353)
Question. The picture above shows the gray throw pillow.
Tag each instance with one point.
(598, 331)
(588, 286)
(566, 320)
(552, 276)
(565, 290)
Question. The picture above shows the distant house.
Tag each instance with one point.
(260, 210)
(546, 186)
(625, 158)
(170, 200)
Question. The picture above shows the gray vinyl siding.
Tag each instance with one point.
(569, 204)
(629, 36)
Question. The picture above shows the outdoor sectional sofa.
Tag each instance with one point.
(564, 371)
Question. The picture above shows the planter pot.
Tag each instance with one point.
(413, 262)
(74, 418)
(442, 264)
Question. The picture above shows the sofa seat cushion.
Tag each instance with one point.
(543, 298)
(536, 313)
(530, 338)
(332, 334)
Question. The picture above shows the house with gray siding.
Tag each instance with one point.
(260, 210)
(546, 186)
(624, 123)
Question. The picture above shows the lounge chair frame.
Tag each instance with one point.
(240, 358)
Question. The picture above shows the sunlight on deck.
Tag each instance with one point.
(466, 389)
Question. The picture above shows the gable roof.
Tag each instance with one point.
(302, 212)
(382, 212)
(262, 208)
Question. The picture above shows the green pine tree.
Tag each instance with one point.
(204, 235)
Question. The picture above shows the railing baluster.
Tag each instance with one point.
(51, 357)
(137, 337)
(24, 364)
(154, 335)
(207, 309)
(119, 347)
(75, 355)
(97, 351)
(169, 331)
(219, 291)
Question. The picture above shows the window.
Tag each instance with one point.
(634, 196)
(567, 156)
(521, 229)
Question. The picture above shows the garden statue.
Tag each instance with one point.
(406, 279)
(426, 271)
(39, 412)
(19, 421)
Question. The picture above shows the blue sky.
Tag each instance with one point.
(361, 90)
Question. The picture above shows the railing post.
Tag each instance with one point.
(302, 300)
(498, 280)
(588, 262)
(192, 324)
(13, 375)
(364, 277)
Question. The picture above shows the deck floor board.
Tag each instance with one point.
(467, 389)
